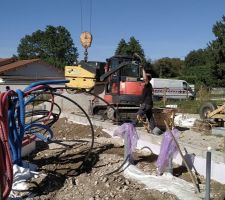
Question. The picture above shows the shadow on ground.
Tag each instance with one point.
(63, 164)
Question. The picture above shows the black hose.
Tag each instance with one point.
(95, 95)
(88, 118)
(120, 167)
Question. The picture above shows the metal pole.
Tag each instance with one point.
(208, 173)
(0, 193)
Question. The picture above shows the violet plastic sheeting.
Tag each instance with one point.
(168, 149)
(128, 132)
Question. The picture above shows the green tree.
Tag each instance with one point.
(198, 75)
(54, 45)
(196, 58)
(133, 46)
(121, 48)
(168, 67)
(216, 53)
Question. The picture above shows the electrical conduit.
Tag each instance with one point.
(6, 169)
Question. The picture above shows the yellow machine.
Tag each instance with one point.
(212, 112)
(80, 76)
(83, 75)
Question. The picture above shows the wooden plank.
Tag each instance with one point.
(218, 116)
(194, 181)
(216, 111)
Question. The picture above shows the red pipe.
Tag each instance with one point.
(39, 87)
(6, 167)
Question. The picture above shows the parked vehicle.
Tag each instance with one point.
(171, 89)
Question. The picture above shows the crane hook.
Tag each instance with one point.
(86, 40)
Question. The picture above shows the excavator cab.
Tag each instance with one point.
(124, 85)
(122, 89)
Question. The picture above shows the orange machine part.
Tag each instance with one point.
(115, 88)
(108, 98)
(131, 88)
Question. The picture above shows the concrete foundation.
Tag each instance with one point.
(154, 142)
(218, 131)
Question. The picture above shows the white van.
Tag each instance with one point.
(171, 89)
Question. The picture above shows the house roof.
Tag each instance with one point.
(5, 61)
(8, 64)
(12, 64)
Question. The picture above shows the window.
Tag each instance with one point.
(130, 70)
(185, 86)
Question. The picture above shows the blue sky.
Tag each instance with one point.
(164, 28)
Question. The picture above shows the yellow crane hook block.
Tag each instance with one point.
(86, 39)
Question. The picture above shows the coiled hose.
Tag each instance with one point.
(17, 125)
(6, 169)
(86, 115)
(12, 121)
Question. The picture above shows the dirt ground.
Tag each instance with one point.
(67, 172)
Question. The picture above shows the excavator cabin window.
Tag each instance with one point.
(131, 70)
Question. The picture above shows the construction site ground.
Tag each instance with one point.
(61, 176)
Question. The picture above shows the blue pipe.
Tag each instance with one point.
(38, 135)
(46, 82)
(16, 134)
(21, 122)
(13, 133)
(16, 121)
(21, 110)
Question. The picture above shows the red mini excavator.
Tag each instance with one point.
(119, 82)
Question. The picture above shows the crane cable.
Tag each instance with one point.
(81, 16)
(90, 14)
(86, 37)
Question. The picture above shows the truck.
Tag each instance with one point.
(171, 89)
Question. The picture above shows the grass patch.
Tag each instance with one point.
(203, 95)
(186, 106)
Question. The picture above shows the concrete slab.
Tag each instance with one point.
(218, 131)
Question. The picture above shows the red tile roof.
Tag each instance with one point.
(9, 64)
(5, 61)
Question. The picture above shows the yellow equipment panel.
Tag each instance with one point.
(79, 77)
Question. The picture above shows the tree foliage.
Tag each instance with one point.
(129, 48)
(121, 48)
(196, 58)
(198, 75)
(216, 52)
(168, 67)
(54, 45)
(207, 66)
